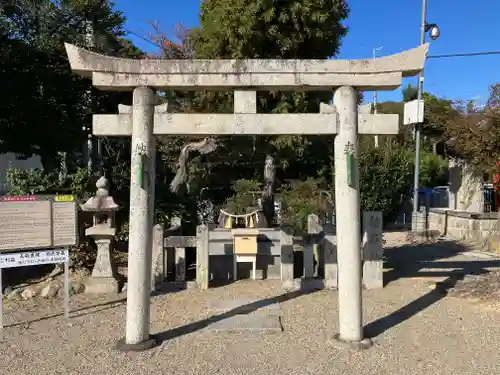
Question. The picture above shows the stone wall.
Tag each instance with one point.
(466, 187)
(462, 224)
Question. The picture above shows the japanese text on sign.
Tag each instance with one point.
(64, 198)
(17, 199)
(33, 258)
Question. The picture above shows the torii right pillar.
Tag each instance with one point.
(348, 220)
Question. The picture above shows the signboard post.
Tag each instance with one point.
(37, 230)
(413, 112)
(36, 258)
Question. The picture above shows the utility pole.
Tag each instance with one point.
(375, 94)
(434, 32)
(418, 126)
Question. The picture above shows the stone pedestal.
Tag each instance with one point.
(101, 285)
(103, 275)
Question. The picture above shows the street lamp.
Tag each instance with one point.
(434, 34)
(434, 30)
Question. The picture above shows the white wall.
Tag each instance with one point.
(9, 160)
(466, 188)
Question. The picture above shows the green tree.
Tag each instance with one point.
(266, 29)
(385, 179)
(474, 133)
(437, 113)
(239, 29)
(47, 104)
(270, 29)
(409, 93)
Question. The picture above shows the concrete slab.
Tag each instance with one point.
(244, 306)
(251, 323)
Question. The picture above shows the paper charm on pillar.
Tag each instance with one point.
(124, 117)
(349, 153)
(368, 123)
(142, 174)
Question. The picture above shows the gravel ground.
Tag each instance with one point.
(483, 288)
(416, 329)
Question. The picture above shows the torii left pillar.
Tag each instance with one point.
(142, 191)
(347, 196)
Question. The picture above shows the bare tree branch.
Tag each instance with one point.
(205, 146)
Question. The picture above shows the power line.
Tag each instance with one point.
(470, 54)
(465, 54)
(142, 38)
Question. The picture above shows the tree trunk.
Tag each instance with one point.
(267, 192)
(50, 162)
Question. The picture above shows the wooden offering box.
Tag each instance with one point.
(245, 249)
(245, 241)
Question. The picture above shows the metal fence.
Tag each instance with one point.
(427, 197)
(438, 197)
(490, 203)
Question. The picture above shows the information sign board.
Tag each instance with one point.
(37, 222)
(33, 258)
(36, 258)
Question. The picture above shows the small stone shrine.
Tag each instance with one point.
(103, 232)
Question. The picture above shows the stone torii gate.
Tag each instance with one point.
(143, 120)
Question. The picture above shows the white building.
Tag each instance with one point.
(10, 160)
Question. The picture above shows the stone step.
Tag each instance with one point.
(244, 306)
(247, 323)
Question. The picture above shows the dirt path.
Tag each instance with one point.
(416, 329)
(417, 332)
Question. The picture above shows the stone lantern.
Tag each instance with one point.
(103, 230)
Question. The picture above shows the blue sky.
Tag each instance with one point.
(394, 24)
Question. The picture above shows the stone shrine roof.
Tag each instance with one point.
(101, 202)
